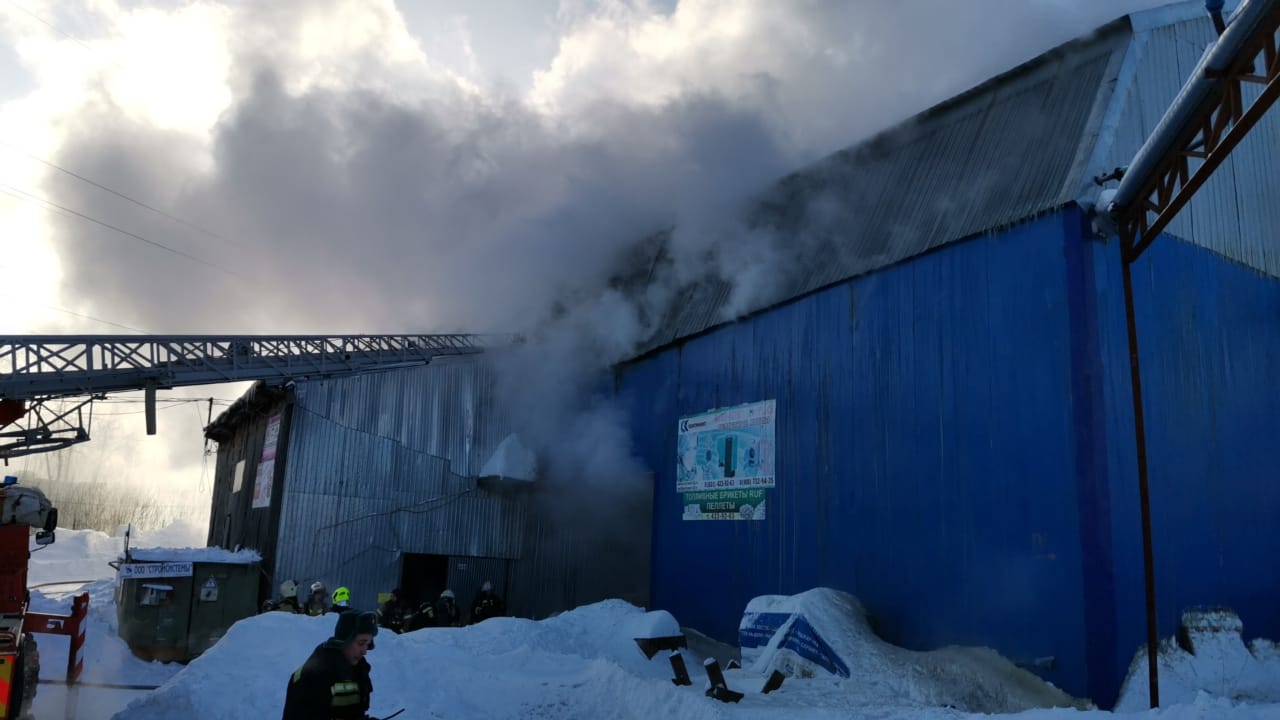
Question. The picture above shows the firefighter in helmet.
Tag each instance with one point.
(318, 602)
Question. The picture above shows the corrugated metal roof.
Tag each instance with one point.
(1005, 151)
(1018, 145)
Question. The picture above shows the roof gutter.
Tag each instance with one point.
(1200, 89)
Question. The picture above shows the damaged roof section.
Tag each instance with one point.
(1014, 147)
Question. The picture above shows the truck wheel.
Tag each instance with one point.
(26, 678)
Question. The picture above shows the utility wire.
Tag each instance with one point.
(51, 26)
(117, 193)
(176, 400)
(76, 314)
(35, 198)
(139, 412)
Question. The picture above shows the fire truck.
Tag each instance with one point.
(23, 509)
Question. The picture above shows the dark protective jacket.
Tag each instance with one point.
(328, 687)
(316, 606)
(391, 615)
(487, 605)
(289, 604)
(447, 614)
(423, 617)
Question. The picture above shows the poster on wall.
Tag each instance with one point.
(267, 467)
(725, 462)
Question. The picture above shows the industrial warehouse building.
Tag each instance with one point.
(932, 412)
(953, 423)
(378, 481)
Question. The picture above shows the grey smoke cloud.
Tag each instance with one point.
(388, 196)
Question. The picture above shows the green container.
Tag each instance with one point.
(174, 610)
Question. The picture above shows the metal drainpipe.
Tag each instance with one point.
(1144, 486)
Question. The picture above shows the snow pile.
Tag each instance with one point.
(825, 633)
(84, 555)
(583, 664)
(575, 665)
(511, 461)
(183, 533)
(656, 624)
(75, 555)
(1209, 657)
(188, 554)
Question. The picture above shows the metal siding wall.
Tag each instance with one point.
(383, 464)
(355, 501)
(926, 453)
(1237, 211)
(233, 522)
(1210, 352)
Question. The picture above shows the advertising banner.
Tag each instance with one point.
(725, 462)
(267, 468)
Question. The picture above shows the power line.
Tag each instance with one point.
(138, 412)
(117, 193)
(36, 198)
(76, 314)
(51, 26)
(134, 401)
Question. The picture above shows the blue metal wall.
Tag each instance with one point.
(926, 453)
(1210, 352)
(955, 447)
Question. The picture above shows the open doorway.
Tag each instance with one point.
(423, 577)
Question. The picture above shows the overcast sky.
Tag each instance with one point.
(368, 166)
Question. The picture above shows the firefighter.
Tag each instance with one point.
(391, 614)
(318, 602)
(424, 616)
(334, 682)
(487, 604)
(288, 598)
(447, 613)
(341, 600)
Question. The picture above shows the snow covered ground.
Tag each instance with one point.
(581, 664)
(76, 563)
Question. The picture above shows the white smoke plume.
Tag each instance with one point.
(344, 179)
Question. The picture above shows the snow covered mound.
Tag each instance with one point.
(581, 664)
(825, 633)
(1209, 656)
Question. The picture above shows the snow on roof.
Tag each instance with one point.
(204, 555)
(512, 460)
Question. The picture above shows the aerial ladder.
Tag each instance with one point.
(48, 384)
(1236, 81)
